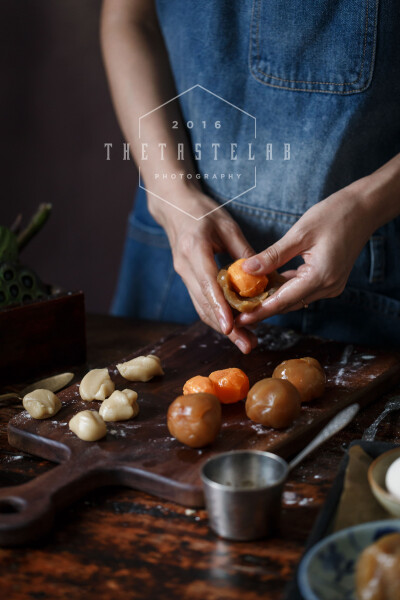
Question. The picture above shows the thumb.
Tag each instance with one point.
(272, 258)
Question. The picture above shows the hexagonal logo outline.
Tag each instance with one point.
(198, 85)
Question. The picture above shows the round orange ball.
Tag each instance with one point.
(199, 385)
(245, 284)
(231, 385)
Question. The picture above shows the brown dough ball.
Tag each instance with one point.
(378, 570)
(306, 374)
(313, 362)
(273, 403)
(195, 419)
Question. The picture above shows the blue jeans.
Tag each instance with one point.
(321, 76)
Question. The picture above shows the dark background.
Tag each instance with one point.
(55, 116)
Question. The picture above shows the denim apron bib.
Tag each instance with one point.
(323, 77)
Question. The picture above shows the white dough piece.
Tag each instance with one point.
(88, 425)
(41, 404)
(141, 368)
(96, 385)
(393, 479)
(120, 406)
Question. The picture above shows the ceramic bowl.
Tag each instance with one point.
(376, 477)
(327, 571)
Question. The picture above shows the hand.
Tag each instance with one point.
(329, 237)
(194, 244)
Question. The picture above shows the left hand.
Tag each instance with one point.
(329, 237)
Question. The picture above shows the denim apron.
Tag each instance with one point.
(321, 76)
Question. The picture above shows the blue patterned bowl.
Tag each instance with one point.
(327, 571)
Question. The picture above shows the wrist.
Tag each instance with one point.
(167, 197)
(378, 194)
(177, 200)
(365, 204)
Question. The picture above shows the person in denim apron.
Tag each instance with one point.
(322, 79)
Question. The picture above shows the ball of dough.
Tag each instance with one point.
(96, 385)
(378, 570)
(195, 419)
(273, 403)
(120, 406)
(306, 374)
(231, 385)
(41, 404)
(88, 425)
(141, 368)
(247, 304)
(198, 385)
(245, 284)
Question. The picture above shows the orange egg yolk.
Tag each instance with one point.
(245, 284)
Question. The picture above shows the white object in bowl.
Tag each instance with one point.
(377, 473)
(392, 479)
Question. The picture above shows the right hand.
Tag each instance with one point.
(194, 244)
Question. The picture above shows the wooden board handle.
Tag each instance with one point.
(27, 511)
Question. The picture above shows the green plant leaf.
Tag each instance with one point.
(8, 245)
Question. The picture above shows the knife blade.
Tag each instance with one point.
(55, 383)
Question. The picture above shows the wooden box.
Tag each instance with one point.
(42, 336)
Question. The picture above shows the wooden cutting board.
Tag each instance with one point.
(141, 453)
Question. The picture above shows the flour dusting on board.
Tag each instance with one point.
(350, 362)
(347, 352)
(275, 338)
(260, 429)
(117, 432)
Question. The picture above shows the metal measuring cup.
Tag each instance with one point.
(243, 488)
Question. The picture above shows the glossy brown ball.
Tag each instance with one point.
(273, 403)
(306, 374)
(195, 419)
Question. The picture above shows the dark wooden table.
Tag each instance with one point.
(119, 543)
